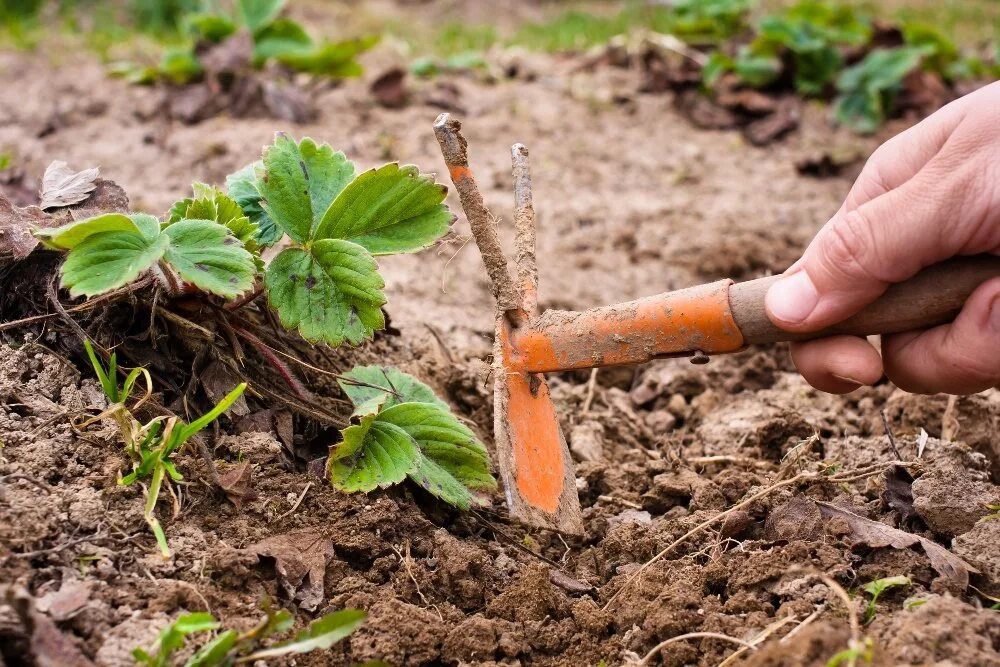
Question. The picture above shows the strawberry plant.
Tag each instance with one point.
(231, 647)
(809, 36)
(274, 37)
(331, 223)
(325, 284)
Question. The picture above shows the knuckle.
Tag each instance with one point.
(850, 246)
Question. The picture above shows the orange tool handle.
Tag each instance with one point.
(725, 317)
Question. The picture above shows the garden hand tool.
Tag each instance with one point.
(715, 318)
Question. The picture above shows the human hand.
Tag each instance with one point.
(928, 194)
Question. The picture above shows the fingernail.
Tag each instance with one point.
(848, 379)
(792, 299)
(995, 314)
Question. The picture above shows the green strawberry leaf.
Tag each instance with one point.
(299, 182)
(209, 27)
(280, 37)
(332, 59)
(206, 255)
(331, 293)
(108, 260)
(453, 460)
(211, 203)
(258, 14)
(388, 210)
(70, 235)
(242, 187)
(399, 387)
(868, 89)
(372, 454)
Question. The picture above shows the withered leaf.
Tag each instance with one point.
(66, 602)
(898, 493)
(569, 584)
(48, 645)
(876, 534)
(61, 186)
(236, 481)
(389, 89)
(218, 380)
(16, 225)
(300, 559)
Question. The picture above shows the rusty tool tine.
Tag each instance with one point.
(455, 151)
(524, 230)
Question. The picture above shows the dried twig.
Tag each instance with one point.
(889, 435)
(591, 386)
(759, 638)
(297, 502)
(694, 635)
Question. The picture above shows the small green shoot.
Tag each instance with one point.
(875, 589)
(863, 652)
(231, 647)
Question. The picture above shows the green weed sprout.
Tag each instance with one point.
(875, 589)
(149, 446)
(160, 439)
(863, 652)
(230, 647)
(118, 395)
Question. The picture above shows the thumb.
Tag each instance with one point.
(858, 254)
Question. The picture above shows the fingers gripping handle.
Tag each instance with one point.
(932, 297)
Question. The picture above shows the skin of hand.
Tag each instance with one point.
(928, 194)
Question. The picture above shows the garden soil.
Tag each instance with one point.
(631, 200)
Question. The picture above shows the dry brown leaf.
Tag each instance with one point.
(300, 559)
(898, 493)
(67, 602)
(876, 534)
(236, 481)
(61, 186)
(48, 645)
(218, 380)
(16, 225)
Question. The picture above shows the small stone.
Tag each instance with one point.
(677, 405)
(630, 516)
(586, 441)
(660, 421)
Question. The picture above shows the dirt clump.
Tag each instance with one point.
(979, 547)
(951, 501)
